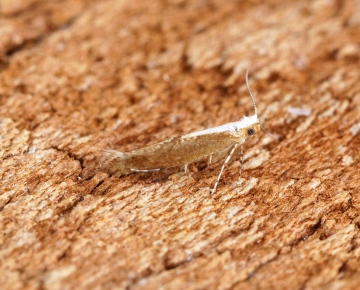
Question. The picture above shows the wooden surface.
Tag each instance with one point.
(78, 76)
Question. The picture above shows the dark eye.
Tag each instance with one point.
(251, 132)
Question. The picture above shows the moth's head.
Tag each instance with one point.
(250, 126)
(252, 130)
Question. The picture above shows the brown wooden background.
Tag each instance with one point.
(79, 76)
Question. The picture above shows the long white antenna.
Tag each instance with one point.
(251, 95)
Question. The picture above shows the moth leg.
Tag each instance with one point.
(241, 160)
(186, 167)
(210, 159)
(223, 167)
(144, 170)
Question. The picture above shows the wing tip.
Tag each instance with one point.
(113, 162)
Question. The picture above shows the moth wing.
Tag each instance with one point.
(222, 154)
(114, 162)
(178, 151)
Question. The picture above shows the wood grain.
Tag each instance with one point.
(77, 77)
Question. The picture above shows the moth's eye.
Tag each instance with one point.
(251, 132)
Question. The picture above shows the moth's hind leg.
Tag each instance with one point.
(145, 170)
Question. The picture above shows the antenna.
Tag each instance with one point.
(251, 95)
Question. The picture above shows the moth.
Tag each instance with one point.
(186, 149)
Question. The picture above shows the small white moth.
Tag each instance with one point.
(180, 151)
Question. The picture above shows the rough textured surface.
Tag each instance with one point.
(80, 76)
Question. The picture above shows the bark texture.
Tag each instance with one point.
(78, 76)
